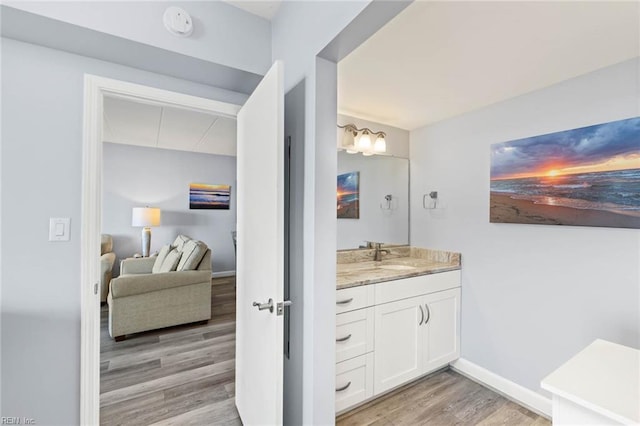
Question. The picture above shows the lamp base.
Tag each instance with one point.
(146, 241)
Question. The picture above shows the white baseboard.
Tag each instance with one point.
(223, 274)
(523, 396)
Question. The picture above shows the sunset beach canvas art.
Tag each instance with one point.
(209, 197)
(349, 195)
(588, 176)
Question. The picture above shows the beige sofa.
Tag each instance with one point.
(107, 260)
(140, 300)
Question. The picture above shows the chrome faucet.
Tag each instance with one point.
(377, 256)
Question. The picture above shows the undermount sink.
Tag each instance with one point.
(397, 267)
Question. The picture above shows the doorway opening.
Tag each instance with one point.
(99, 91)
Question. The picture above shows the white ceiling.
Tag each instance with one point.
(437, 60)
(133, 123)
(266, 9)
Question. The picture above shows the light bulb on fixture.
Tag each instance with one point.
(364, 143)
(381, 144)
(349, 141)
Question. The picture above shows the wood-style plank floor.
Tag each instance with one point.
(444, 398)
(185, 375)
(180, 375)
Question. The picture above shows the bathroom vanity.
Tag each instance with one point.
(396, 319)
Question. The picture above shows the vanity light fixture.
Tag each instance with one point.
(357, 140)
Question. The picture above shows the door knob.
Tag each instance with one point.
(264, 306)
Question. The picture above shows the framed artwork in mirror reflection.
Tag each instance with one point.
(348, 206)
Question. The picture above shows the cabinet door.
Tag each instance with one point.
(442, 329)
(397, 343)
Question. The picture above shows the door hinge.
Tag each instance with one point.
(95, 288)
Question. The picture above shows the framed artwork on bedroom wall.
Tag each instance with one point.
(209, 197)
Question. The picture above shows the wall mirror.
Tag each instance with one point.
(382, 201)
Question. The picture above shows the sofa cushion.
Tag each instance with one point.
(161, 257)
(192, 253)
(180, 242)
(171, 261)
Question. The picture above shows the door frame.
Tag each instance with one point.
(95, 90)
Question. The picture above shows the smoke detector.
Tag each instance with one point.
(177, 21)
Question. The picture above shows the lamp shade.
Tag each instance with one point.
(145, 216)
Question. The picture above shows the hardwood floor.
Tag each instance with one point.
(444, 398)
(180, 375)
(185, 375)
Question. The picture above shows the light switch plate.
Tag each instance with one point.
(59, 228)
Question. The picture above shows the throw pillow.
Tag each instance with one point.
(171, 261)
(180, 242)
(192, 253)
(160, 258)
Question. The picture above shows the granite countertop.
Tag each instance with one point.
(356, 267)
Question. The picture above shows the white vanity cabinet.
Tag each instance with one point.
(406, 328)
(415, 336)
(354, 334)
(441, 334)
(398, 343)
(354, 346)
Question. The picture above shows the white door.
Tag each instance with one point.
(442, 328)
(398, 342)
(260, 261)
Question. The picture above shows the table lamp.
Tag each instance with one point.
(145, 217)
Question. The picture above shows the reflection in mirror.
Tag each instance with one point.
(383, 183)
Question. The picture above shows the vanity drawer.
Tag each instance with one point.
(405, 288)
(354, 381)
(352, 298)
(354, 333)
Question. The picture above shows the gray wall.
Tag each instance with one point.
(222, 33)
(42, 98)
(135, 176)
(299, 31)
(532, 295)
